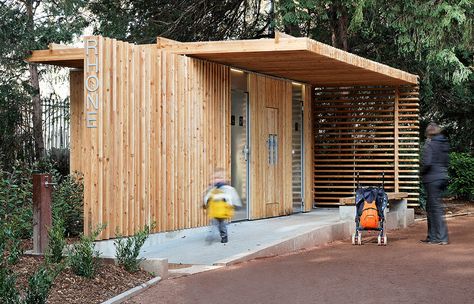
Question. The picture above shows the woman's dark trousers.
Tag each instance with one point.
(437, 228)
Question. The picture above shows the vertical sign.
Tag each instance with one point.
(92, 81)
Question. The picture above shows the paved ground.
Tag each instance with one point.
(189, 246)
(405, 271)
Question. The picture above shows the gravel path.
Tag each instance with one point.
(405, 271)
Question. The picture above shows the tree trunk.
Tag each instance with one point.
(271, 29)
(338, 21)
(342, 24)
(37, 113)
(333, 24)
(35, 98)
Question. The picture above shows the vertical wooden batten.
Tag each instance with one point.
(161, 129)
(308, 148)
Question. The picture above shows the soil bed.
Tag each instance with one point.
(109, 281)
(453, 206)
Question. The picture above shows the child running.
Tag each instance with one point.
(220, 201)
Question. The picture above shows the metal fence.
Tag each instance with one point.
(56, 127)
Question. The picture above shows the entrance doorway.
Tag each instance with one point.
(240, 142)
(297, 148)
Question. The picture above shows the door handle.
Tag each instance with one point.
(272, 149)
(246, 152)
(275, 147)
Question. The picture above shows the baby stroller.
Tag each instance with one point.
(370, 206)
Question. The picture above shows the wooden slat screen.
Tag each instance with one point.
(365, 130)
(408, 142)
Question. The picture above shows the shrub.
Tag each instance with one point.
(10, 245)
(8, 292)
(128, 249)
(68, 205)
(54, 252)
(39, 285)
(461, 175)
(16, 199)
(83, 258)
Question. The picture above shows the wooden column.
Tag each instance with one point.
(308, 152)
(396, 140)
(41, 211)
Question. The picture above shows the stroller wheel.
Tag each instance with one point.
(379, 240)
(353, 238)
(359, 238)
(385, 240)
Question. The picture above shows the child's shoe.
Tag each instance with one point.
(224, 240)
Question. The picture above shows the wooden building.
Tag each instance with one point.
(291, 120)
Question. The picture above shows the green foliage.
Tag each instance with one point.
(54, 252)
(8, 292)
(10, 252)
(83, 258)
(461, 175)
(67, 205)
(141, 21)
(39, 285)
(16, 199)
(128, 249)
(10, 245)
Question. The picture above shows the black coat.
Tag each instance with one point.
(435, 159)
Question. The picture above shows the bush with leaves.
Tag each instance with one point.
(10, 245)
(54, 252)
(128, 249)
(68, 204)
(39, 285)
(461, 175)
(83, 258)
(16, 199)
(8, 292)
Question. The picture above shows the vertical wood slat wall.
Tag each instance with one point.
(369, 130)
(274, 94)
(161, 130)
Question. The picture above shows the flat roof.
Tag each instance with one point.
(299, 59)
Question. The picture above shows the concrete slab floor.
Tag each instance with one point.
(189, 246)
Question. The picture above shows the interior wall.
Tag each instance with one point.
(270, 113)
(365, 131)
(161, 129)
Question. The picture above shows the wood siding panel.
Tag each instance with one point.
(308, 148)
(161, 130)
(76, 85)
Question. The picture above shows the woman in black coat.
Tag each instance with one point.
(435, 179)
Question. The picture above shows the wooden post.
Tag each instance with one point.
(41, 211)
(396, 125)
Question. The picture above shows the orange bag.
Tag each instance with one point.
(370, 216)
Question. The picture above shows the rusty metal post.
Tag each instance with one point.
(42, 188)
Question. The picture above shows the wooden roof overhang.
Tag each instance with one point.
(298, 59)
(60, 56)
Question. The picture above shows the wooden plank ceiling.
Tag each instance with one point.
(299, 59)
